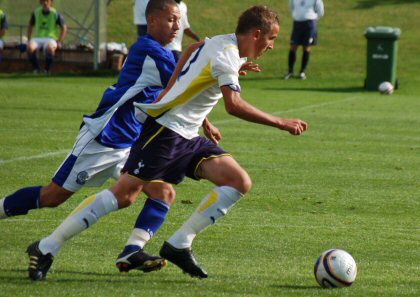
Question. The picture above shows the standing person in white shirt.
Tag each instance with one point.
(184, 27)
(139, 10)
(306, 14)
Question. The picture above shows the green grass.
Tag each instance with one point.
(350, 182)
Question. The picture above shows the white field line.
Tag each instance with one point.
(280, 112)
(40, 156)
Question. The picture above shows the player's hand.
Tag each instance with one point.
(59, 45)
(293, 126)
(211, 132)
(249, 66)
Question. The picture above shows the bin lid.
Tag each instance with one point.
(383, 32)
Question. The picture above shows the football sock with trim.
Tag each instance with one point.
(20, 202)
(34, 60)
(49, 60)
(149, 221)
(292, 60)
(85, 215)
(214, 206)
(305, 60)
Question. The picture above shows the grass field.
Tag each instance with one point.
(350, 182)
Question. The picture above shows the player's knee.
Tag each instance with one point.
(245, 184)
(241, 182)
(161, 191)
(168, 195)
(31, 49)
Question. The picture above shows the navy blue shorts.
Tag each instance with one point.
(304, 33)
(161, 154)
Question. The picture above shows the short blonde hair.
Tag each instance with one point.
(257, 17)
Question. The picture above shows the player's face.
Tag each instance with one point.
(164, 25)
(46, 4)
(265, 42)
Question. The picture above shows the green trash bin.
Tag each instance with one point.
(382, 49)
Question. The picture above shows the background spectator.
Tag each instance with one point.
(140, 21)
(3, 27)
(184, 27)
(46, 21)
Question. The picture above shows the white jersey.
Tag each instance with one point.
(303, 10)
(176, 44)
(197, 89)
(139, 11)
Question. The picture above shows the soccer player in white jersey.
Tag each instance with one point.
(170, 147)
(306, 14)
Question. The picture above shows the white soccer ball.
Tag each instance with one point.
(386, 88)
(335, 269)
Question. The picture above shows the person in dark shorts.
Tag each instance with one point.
(306, 14)
(170, 147)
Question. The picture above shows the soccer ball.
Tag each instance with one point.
(335, 269)
(386, 88)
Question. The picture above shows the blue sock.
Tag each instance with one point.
(34, 60)
(305, 60)
(152, 216)
(21, 201)
(49, 59)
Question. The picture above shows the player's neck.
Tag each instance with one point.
(245, 45)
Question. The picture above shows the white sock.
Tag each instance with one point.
(138, 237)
(212, 207)
(2, 213)
(84, 216)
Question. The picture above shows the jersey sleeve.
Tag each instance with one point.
(319, 8)
(60, 20)
(4, 24)
(225, 67)
(32, 20)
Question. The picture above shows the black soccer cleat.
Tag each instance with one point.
(39, 264)
(139, 260)
(184, 259)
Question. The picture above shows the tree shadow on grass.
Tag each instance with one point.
(367, 4)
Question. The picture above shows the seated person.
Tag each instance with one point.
(3, 27)
(49, 34)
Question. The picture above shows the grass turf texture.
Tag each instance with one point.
(350, 182)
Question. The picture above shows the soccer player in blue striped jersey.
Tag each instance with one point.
(106, 136)
(170, 147)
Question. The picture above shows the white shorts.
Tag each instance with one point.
(89, 163)
(43, 42)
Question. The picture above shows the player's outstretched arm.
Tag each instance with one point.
(238, 107)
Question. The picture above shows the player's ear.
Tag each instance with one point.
(256, 34)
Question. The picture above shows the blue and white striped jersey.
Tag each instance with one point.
(145, 73)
